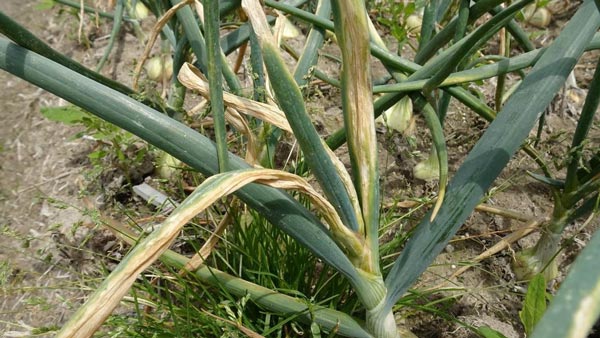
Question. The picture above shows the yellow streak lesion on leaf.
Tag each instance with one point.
(353, 36)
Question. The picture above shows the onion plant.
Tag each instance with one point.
(342, 225)
(575, 197)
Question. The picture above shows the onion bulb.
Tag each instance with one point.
(538, 17)
(428, 169)
(413, 23)
(159, 68)
(400, 117)
(141, 12)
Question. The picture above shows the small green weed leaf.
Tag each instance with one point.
(315, 330)
(488, 332)
(534, 305)
(98, 154)
(66, 114)
(44, 5)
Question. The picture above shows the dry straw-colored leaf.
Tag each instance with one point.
(193, 79)
(239, 123)
(257, 17)
(108, 295)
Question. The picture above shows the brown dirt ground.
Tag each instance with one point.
(38, 288)
(44, 264)
(41, 182)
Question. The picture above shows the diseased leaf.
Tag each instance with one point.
(291, 101)
(357, 104)
(191, 77)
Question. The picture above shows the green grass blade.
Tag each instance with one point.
(490, 155)
(329, 319)
(211, 27)
(107, 296)
(576, 306)
(178, 140)
(274, 301)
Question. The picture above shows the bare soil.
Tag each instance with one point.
(38, 165)
(44, 226)
(45, 233)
